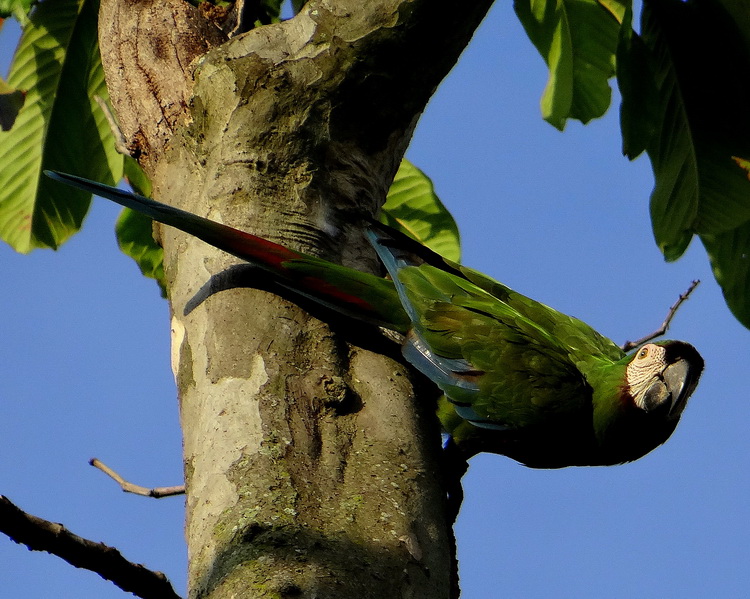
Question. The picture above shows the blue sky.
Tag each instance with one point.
(561, 217)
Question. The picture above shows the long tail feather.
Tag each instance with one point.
(257, 250)
(355, 294)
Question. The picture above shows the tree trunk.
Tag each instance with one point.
(311, 465)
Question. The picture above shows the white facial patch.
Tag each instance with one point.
(648, 362)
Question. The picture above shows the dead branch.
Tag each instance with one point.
(128, 487)
(628, 345)
(42, 535)
(121, 144)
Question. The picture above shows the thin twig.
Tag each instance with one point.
(42, 535)
(128, 487)
(121, 144)
(628, 345)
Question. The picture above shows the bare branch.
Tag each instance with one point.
(121, 144)
(42, 535)
(128, 487)
(628, 345)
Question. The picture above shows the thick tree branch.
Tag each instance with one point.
(128, 487)
(42, 535)
(308, 457)
(154, 44)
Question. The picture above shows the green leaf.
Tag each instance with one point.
(740, 15)
(19, 9)
(259, 13)
(135, 238)
(685, 100)
(137, 179)
(11, 101)
(729, 253)
(135, 231)
(271, 9)
(577, 39)
(59, 127)
(413, 207)
(637, 83)
(698, 63)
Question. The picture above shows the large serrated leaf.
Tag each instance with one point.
(413, 207)
(577, 39)
(59, 127)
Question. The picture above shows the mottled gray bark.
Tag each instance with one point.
(311, 467)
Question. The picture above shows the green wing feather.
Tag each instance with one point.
(579, 338)
(504, 360)
(515, 373)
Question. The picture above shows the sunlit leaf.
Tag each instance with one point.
(59, 127)
(18, 9)
(11, 101)
(135, 238)
(413, 207)
(137, 179)
(135, 230)
(577, 39)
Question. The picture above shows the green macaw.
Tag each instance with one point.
(518, 377)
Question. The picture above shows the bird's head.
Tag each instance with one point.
(661, 376)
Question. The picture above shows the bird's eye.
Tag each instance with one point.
(643, 353)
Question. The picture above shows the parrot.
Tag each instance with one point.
(518, 378)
